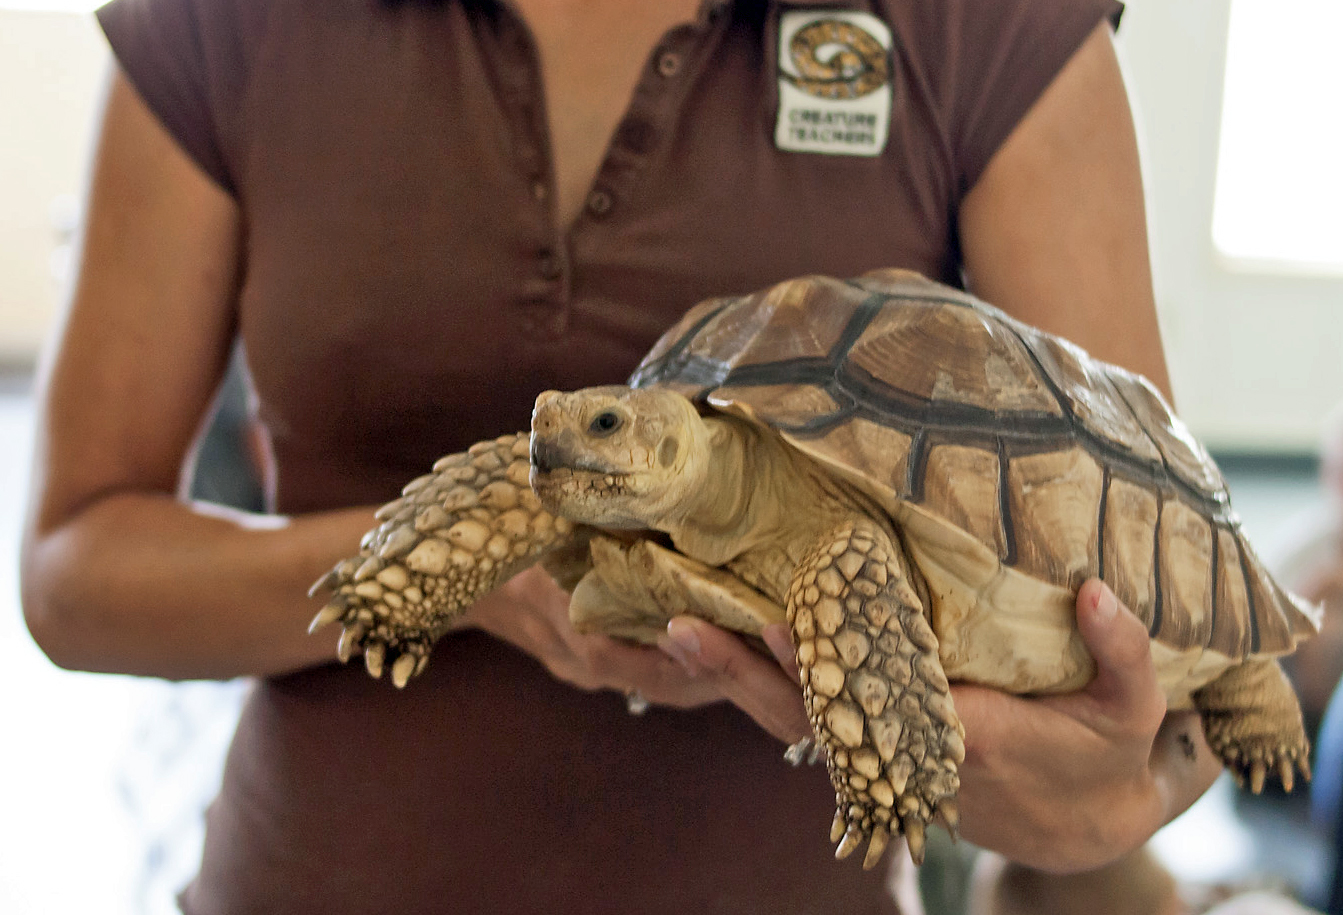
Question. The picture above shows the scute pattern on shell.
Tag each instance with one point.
(894, 380)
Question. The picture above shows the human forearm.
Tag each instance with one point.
(140, 583)
(1054, 232)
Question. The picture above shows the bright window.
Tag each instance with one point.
(1279, 198)
(51, 6)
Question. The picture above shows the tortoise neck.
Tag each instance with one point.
(738, 494)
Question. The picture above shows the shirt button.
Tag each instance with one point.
(599, 203)
(550, 265)
(669, 64)
(546, 325)
(539, 191)
(636, 135)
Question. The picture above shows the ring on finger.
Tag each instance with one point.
(635, 703)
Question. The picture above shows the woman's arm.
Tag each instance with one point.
(118, 573)
(1055, 230)
(1055, 233)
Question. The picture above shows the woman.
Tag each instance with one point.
(416, 215)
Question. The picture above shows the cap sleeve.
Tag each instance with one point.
(999, 58)
(186, 60)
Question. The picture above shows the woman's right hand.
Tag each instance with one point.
(531, 612)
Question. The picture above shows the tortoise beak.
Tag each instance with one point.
(563, 452)
(548, 455)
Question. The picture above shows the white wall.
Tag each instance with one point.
(1256, 359)
(51, 67)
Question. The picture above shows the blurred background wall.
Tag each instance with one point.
(51, 66)
(1252, 313)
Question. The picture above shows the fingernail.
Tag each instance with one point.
(684, 635)
(1106, 605)
(682, 645)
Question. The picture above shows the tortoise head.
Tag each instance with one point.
(615, 456)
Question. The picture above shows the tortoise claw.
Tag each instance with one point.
(350, 637)
(949, 815)
(853, 837)
(374, 655)
(876, 846)
(914, 837)
(405, 667)
(837, 827)
(326, 582)
(1286, 771)
(363, 633)
(1258, 771)
(328, 615)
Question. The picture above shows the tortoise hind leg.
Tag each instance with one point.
(875, 691)
(1253, 722)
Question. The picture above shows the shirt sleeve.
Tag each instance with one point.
(988, 61)
(187, 61)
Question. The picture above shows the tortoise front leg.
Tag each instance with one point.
(453, 536)
(1252, 720)
(875, 691)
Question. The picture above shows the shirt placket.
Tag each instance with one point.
(543, 279)
(657, 97)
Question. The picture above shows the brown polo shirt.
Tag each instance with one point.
(408, 291)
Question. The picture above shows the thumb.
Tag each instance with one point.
(1125, 688)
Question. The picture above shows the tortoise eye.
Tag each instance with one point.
(605, 423)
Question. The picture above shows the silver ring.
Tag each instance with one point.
(635, 703)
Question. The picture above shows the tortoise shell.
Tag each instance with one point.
(995, 446)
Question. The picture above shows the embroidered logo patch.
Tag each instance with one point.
(834, 83)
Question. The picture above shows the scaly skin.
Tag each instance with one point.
(452, 537)
(874, 689)
(1253, 722)
(640, 586)
(872, 682)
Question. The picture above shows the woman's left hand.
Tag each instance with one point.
(1069, 783)
(1058, 783)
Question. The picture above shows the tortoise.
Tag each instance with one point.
(918, 481)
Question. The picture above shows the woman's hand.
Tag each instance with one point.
(1059, 783)
(531, 612)
(765, 689)
(1068, 783)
